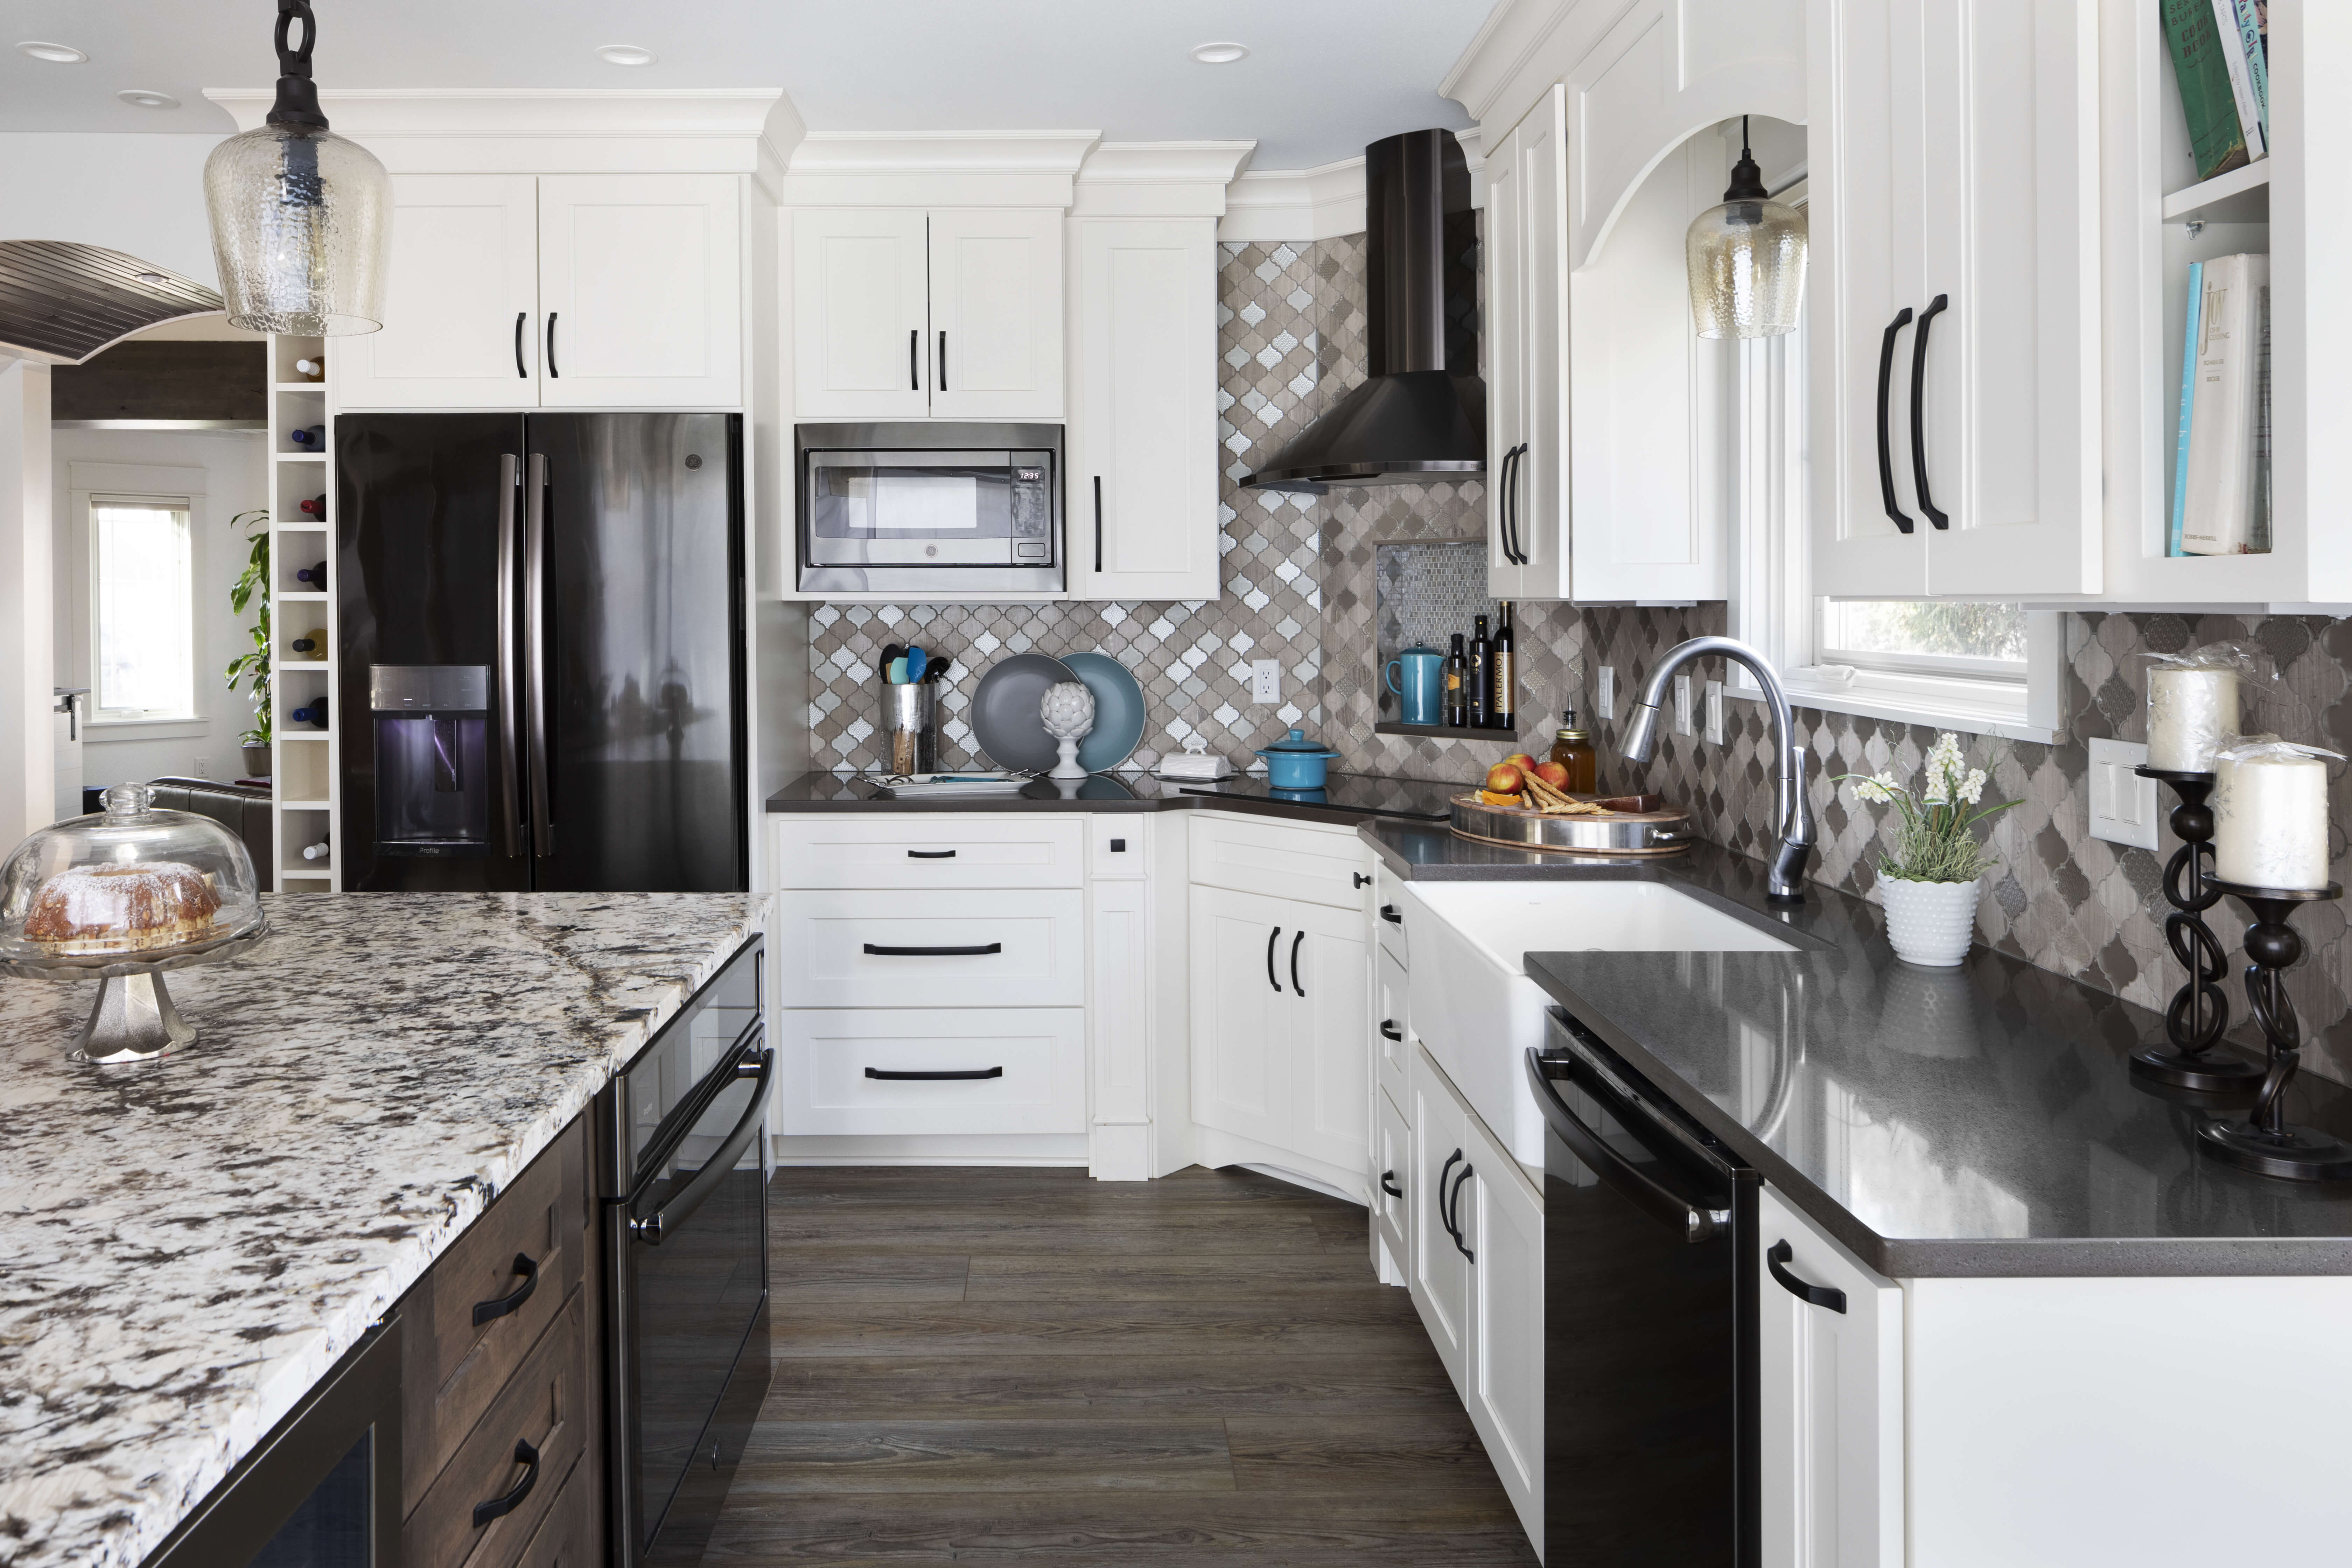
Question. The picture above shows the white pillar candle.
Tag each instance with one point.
(2270, 814)
(2189, 712)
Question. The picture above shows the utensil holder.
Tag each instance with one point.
(2200, 1012)
(910, 735)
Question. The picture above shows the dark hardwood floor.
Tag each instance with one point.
(1003, 1366)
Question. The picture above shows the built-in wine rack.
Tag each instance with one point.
(306, 753)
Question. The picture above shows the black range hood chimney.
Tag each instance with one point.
(1421, 414)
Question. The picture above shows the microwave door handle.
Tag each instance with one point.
(510, 796)
(1629, 1181)
(679, 1209)
(534, 598)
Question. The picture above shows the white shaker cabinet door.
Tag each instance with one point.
(1508, 350)
(861, 307)
(1505, 1385)
(1141, 496)
(1830, 1369)
(1241, 1014)
(1393, 1182)
(461, 300)
(1438, 1274)
(1326, 960)
(997, 313)
(640, 276)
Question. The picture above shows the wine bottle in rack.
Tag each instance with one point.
(315, 851)
(316, 577)
(315, 506)
(314, 641)
(311, 712)
(311, 369)
(311, 435)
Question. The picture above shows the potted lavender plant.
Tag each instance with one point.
(1929, 879)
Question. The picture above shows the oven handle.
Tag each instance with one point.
(1629, 1181)
(679, 1209)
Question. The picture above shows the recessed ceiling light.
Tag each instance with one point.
(146, 97)
(56, 54)
(624, 55)
(1220, 54)
(151, 278)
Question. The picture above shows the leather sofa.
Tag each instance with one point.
(243, 809)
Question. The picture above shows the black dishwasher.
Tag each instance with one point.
(1650, 1325)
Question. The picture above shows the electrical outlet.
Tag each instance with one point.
(203, 768)
(1713, 731)
(1682, 704)
(1605, 693)
(2123, 804)
(1265, 680)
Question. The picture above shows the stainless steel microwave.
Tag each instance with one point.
(930, 509)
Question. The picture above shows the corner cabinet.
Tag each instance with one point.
(1954, 290)
(556, 291)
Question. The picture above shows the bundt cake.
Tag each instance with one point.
(126, 908)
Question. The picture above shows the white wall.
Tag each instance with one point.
(235, 465)
(143, 196)
(27, 786)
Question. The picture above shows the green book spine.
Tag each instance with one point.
(2215, 137)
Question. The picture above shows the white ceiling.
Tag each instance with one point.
(1323, 76)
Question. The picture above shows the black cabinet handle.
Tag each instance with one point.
(554, 373)
(492, 1311)
(1388, 913)
(1445, 1218)
(908, 1077)
(876, 950)
(1388, 1184)
(521, 316)
(1902, 519)
(1271, 938)
(1453, 1215)
(1295, 943)
(506, 1502)
(1918, 414)
(1097, 525)
(1388, 1030)
(930, 854)
(1362, 880)
(1812, 1295)
(914, 359)
(1511, 499)
(943, 362)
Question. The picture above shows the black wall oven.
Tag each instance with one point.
(683, 1171)
(1650, 1323)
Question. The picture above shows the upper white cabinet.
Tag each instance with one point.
(1954, 342)
(1142, 439)
(1529, 546)
(902, 313)
(564, 292)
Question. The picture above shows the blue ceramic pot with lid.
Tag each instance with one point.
(1296, 762)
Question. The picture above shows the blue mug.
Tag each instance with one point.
(1422, 694)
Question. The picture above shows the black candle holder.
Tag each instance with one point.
(2200, 1012)
(2266, 1143)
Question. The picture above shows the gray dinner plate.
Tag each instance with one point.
(1006, 710)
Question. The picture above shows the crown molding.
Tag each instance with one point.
(554, 130)
(937, 168)
(1158, 179)
(1322, 203)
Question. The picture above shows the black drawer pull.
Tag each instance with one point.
(1812, 1295)
(521, 316)
(491, 1312)
(1295, 943)
(554, 373)
(1895, 513)
(1388, 913)
(1920, 414)
(888, 1074)
(506, 1503)
(1272, 937)
(1362, 880)
(1388, 1184)
(1443, 1218)
(881, 952)
(930, 854)
(1453, 1215)
(1388, 1030)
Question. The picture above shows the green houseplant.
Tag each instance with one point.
(1930, 878)
(251, 669)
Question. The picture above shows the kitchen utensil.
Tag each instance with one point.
(938, 668)
(1119, 712)
(1005, 710)
(916, 662)
(1068, 711)
(910, 726)
(1421, 696)
(898, 673)
(1296, 762)
(891, 653)
(1665, 830)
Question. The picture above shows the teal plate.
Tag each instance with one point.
(1119, 710)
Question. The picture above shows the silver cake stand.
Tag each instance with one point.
(133, 1019)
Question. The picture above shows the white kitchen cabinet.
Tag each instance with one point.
(1143, 441)
(1392, 1036)
(1120, 1015)
(1439, 1272)
(899, 313)
(901, 1071)
(1830, 1375)
(1528, 548)
(1502, 1383)
(878, 948)
(461, 300)
(1392, 1186)
(1954, 297)
(641, 280)
(1315, 861)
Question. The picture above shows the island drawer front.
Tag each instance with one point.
(453, 1367)
(566, 1538)
(823, 937)
(827, 1052)
(918, 851)
(1281, 859)
(545, 1405)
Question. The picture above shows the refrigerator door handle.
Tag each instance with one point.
(534, 570)
(509, 796)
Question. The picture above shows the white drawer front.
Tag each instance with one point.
(831, 1057)
(1393, 1048)
(1282, 860)
(933, 949)
(918, 851)
(1120, 845)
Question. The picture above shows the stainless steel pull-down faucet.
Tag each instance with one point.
(1792, 809)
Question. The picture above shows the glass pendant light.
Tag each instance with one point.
(1746, 259)
(301, 217)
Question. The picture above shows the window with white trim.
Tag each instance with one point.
(143, 608)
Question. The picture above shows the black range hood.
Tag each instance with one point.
(1421, 414)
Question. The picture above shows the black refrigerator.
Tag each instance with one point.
(540, 678)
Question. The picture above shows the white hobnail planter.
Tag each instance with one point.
(1929, 922)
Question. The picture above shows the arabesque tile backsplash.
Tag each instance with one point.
(1301, 585)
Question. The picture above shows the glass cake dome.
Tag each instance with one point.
(131, 884)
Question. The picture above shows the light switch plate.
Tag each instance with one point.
(1712, 734)
(2123, 804)
(1682, 704)
(1265, 680)
(1605, 694)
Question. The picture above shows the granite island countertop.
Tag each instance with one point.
(1980, 1120)
(187, 1245)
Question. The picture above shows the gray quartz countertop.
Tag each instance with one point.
(187, 1245)
(1347, 798)
(1977, 1120)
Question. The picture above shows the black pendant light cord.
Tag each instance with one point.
(1747, 179)
(298, 96)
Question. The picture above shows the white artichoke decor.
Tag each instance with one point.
(1068, 711)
